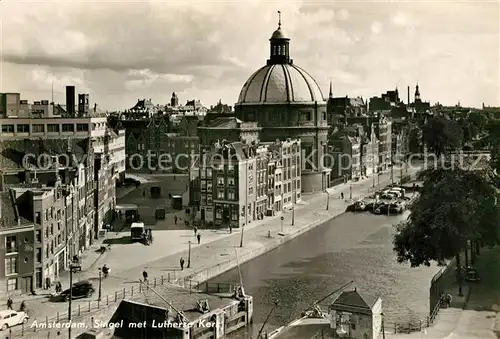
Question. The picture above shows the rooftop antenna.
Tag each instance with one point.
(279, 19)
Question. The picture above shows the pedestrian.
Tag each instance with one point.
(47, 283)
(198, 236)
(182, 263)
(23, 306)
(150, 236)
(145, 275)
(9, 303)
(195, 230)
(175, 219)
(342, 195)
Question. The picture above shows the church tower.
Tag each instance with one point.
(417, 94)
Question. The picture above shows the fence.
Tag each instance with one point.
(84, 309)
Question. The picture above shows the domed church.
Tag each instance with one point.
(287, 102)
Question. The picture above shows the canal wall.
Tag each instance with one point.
(223, 267)
(248, 253)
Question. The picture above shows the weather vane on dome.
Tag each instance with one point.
(279, 19)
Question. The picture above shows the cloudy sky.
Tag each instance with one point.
(119, 51)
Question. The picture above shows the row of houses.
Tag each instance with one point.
(58, 178)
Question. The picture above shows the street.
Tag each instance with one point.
(127, 261)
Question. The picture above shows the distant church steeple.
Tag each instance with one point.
(280, 46)
(330, 94)
(417, 93)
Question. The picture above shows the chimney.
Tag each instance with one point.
(408, 95)
(70, 100)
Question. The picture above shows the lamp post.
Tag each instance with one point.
(383, 326)
(72, 269)
(242, 232)
(282, 218)
(189, 254)
(100, 283)
(327, 200)
(350, 191)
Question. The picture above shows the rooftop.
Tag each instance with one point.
(9, 216)
(354, 301)
(182, 299)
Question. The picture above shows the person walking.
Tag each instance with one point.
(182, 263)
(175, 219)
(23, 306)
(145, 275)
(9, 303)
(198, 236)
(195, 230)
(342, 195)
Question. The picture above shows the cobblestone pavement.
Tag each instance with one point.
(127, 261)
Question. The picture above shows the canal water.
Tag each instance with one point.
(353, 246)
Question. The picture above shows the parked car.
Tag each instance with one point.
(381, 209)
(359, 206)
(9, 318)
(396, 208)
(81, 289)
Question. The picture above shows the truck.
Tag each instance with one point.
(137, 231)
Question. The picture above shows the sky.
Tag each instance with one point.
(119, 51)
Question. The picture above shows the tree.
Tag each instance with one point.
(442, 135)
(454, 206)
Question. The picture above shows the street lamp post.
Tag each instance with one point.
(383, 326)
(282, 218)
(242, 232)
(327, 200)
(100, 283)
(350, 191)
(189, 254)
(72, 269)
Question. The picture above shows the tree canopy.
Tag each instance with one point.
(454, 206)
(442, 135)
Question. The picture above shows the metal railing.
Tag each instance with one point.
(84, 309)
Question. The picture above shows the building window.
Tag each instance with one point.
(250, 191)
(218, 213)
(38, 218)
(202, 171)
(230, 195)
(209, 173)
(38, 236)
(68, 127)
(23, 128)
(230, 182)
(234, 214)
(220, 181)
(53, 128)
(11, 244)
(7, 128)
(39, 255)
(12, 284)
(11, 265)
(37, 128)
(209, 186)
(82, 127)
(220, 194)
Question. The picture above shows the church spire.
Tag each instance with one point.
(279, 44)
(417, 93)
(330, 94)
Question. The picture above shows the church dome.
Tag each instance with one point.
(280, 83)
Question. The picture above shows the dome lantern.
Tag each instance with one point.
(279, 46)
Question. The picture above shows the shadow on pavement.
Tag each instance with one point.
(118, 241)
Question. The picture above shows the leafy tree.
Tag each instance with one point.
(454, 206)
(442, 135)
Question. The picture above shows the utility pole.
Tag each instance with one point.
(327, 200)
(282, 218)
(189, 254)
(293, 209)
(350, 191)
(100, 283)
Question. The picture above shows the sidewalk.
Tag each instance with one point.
(162, 258)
